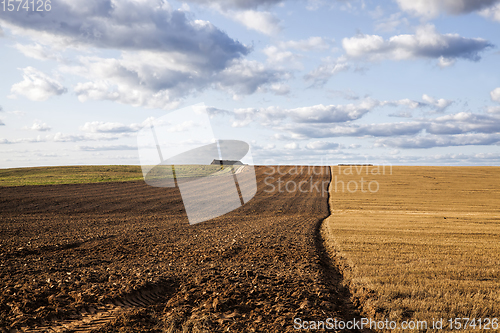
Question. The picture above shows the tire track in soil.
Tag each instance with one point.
(93, 318)
(330, 271)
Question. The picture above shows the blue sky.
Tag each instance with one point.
(405, 82)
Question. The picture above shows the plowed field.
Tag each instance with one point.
(123, 257)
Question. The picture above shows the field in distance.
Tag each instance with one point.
(419, 243)
(93, 174)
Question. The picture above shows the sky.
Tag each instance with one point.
(313, 82)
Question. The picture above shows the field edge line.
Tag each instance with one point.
(333, 266)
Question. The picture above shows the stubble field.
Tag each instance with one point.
(425, 246)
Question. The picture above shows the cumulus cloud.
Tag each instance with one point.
(37, 86)
(292, 146)
(495, 95)
(376, 130)
(319, 114)
(322, 145)
(401, 114)
(390, 23)
(440, 104)
(246, 77)
(331, 113)
(243, 116)
(246, 13)
(280, 89)
(329, 67)
(38, 126)
(153, 80)
(345, 94)
(37, 51)
(307, 45)
(278, 56)
(109, 24)
(22, 140)
(432, 141)
(463, 122)
(425, 43)
(169, 56)
(263, 22)
(492, 12)
(109, 136)
(2, 123)
(405, 102)
(285, 53)
(432, 8)
(107, 147)
(238, 4)
(458, 129)
(109, 127)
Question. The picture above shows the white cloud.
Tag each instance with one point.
(405, 102)
(492, 12)
(446, 62)
(432, 141)
(153, 80)
(246, 77)
(432, 8)
(37, 86)
(39, 126)
(495, 95)
(401, 114)
(331, 113)
(263, 22)
(156, 27)
(243, 117)
(493, 109)
(285, 53)
(244, 12)
(440, 104)
(388, 24)
(307, 45)
(322, 145)
(107, 147)
(238, 4)
(37, 51)
(292, 146)
(277, 56)
(61, 137)
(108, 127)
(169, 57)
(183, 127)
(330, 67)
(425, 43)
(280, 89)
(22, 140)
(449, 130)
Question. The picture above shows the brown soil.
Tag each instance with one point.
(122, 257)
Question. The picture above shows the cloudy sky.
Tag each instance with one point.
(412, 82)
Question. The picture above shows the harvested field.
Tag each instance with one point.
(426, 245)
(121, 257)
